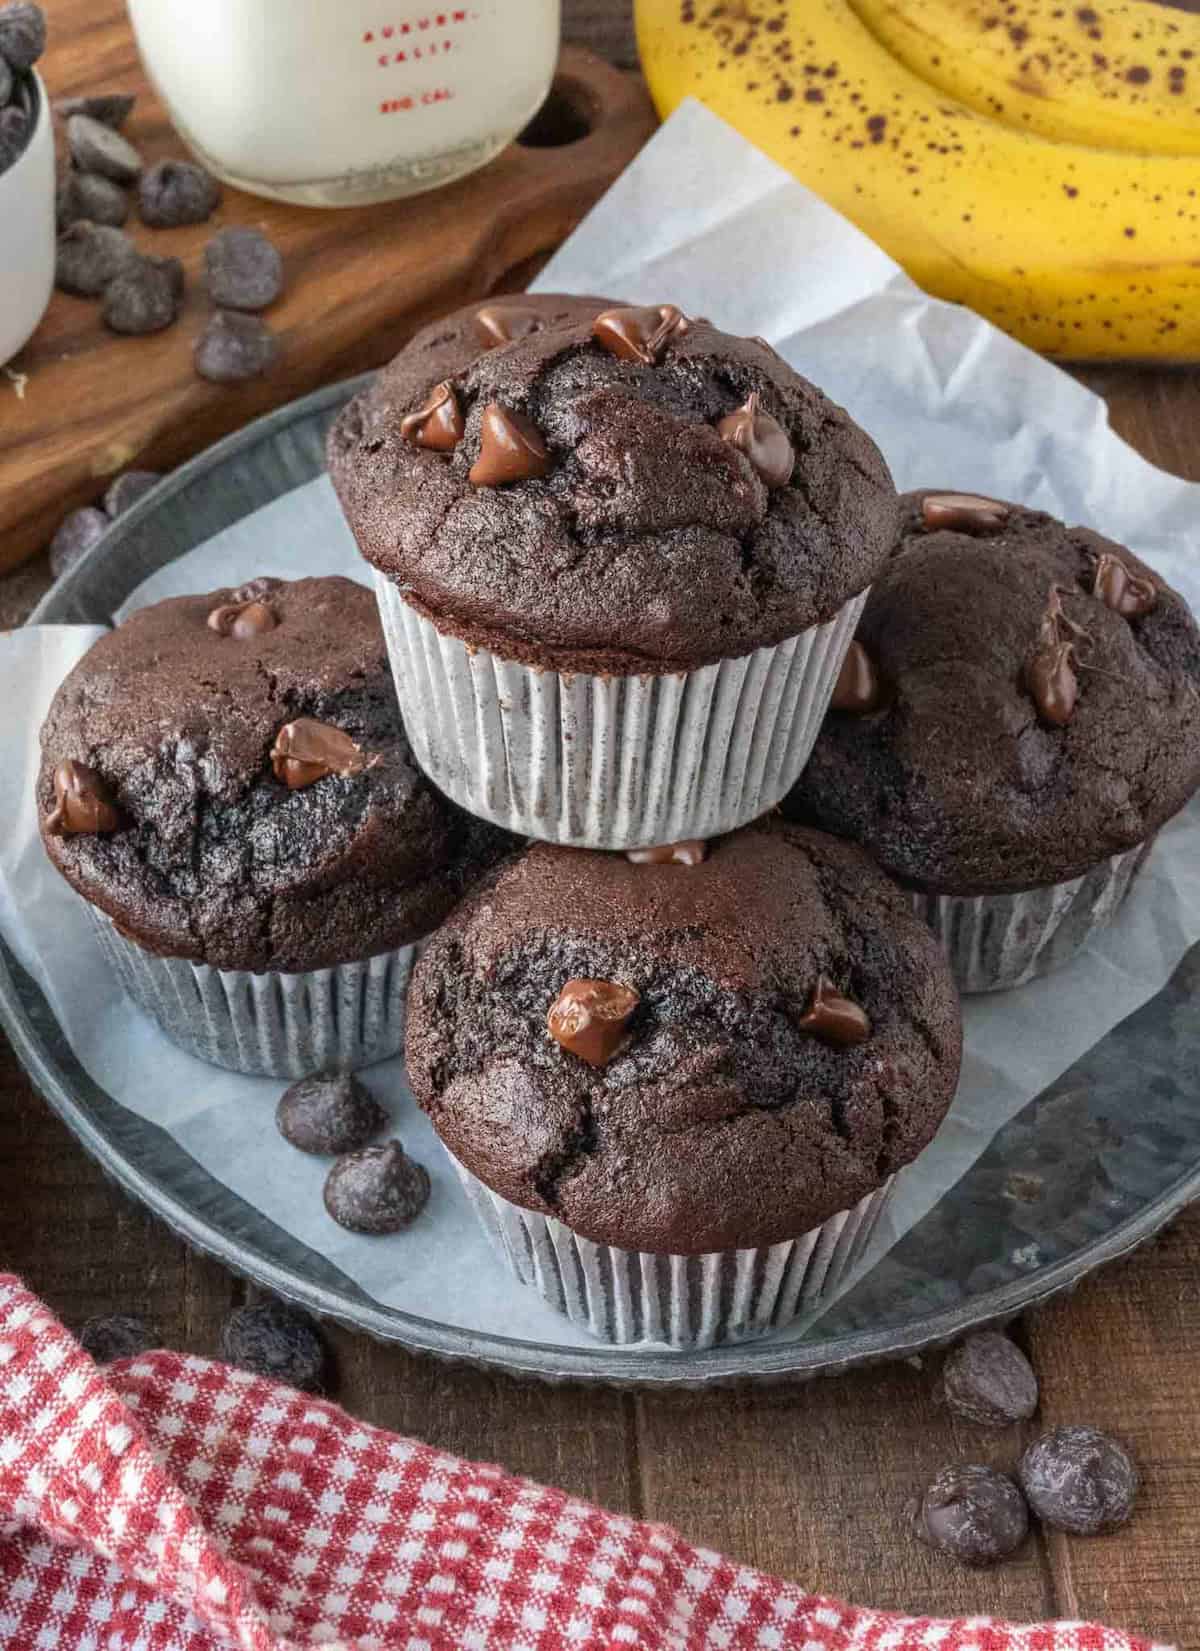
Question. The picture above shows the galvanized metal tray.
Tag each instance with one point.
(1094, 1166)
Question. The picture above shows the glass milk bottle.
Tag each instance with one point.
(342, 102)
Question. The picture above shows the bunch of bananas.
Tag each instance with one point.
(1038, 160)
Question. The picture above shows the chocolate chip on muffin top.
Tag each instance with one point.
(642, 493)
(684, 1058)
(1022, 702)
(227, 776)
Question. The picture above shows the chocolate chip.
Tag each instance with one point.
(89, 257)
(588, 1018)
(242, 620)
(173, 193)
(254, 590)
(275, 1341)
(1079, 1480)
(690, 853)
(1052, 683)
(639, 332)
(972, 1513)
(376, 1190)
(22, 35)
(109, 108)
(306, 751)
(234, 347)
(833, 1018)
(329, 1113)
(858, 688)
(987, 1379)
(763, 441)
(116, 1336)
(125, 491)
(500, 323)
(83, 803)
(145, 297)
(511, 449)
(437, 422)
(242, 269)
(1124, 592)
(97, 148)
(963, 512)
(86, 197)
(78, 533)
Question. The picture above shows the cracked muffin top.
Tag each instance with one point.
(682, 1057)
(641, 493)
(1022, 701)
(227, 776)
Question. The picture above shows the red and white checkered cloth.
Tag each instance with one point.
(169, 1503)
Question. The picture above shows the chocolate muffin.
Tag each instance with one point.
(641, 498)
(226, 777)
(1020, 712)
(685, 1060)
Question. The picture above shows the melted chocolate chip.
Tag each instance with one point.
(438, 423)
(306, 751)
(963, 512)
(690, 853)
(1125, 593)
(1052, 683)
(501, 323)
(242, 620)
(762, 439)
(83, 803)
(376, 1190)
(588, 1018)
(511, 449)
(639, 332)
(833, 1018)
(858, 687)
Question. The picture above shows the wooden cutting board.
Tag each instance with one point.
(360, 281)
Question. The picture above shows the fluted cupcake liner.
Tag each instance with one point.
(998, 941)
(269, 1025)
(686, 1301)
(612, 762)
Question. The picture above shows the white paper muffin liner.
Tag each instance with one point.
(998, 941)
(269, 1025)
(612, 762)
(686, 1301)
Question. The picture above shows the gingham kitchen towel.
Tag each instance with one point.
(170, 1503)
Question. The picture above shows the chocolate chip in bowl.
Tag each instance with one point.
(376, 1190)
(329, 1113)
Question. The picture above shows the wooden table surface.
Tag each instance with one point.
(809, 1481)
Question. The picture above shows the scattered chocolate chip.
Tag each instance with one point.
(690, 853)
(437, 423)
(639, 332)
(89, 257)
(78, 533)
(987, 1379)
(963, 512)
(858, 687)
(127, 488)
(144, 297)
(501, 323)
(972, 1513)
(173, 193)
(234, 347)
(1079, 1480)
(763, 441)
(22, 35)
(588, 1018)
(98, 148)
(86, 197)
(1052, 683)
(242, 269)
(833, 1018)
(83, 803)
(306, 751)
(376, 1190)
(110, 108)
(511, 449)
(275, 1341)
(329, 1113)
(116, 1336)
(242, 620)
(1125, 593)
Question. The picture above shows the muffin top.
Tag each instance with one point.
(679, 1057)
(227, 776)
(639, 494)
(1022, 703)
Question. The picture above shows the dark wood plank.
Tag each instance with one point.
(606, 26)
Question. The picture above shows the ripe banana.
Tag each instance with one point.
(1080, 251)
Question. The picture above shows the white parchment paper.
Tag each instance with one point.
(703, 220)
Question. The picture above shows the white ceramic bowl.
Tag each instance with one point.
(27, 232)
